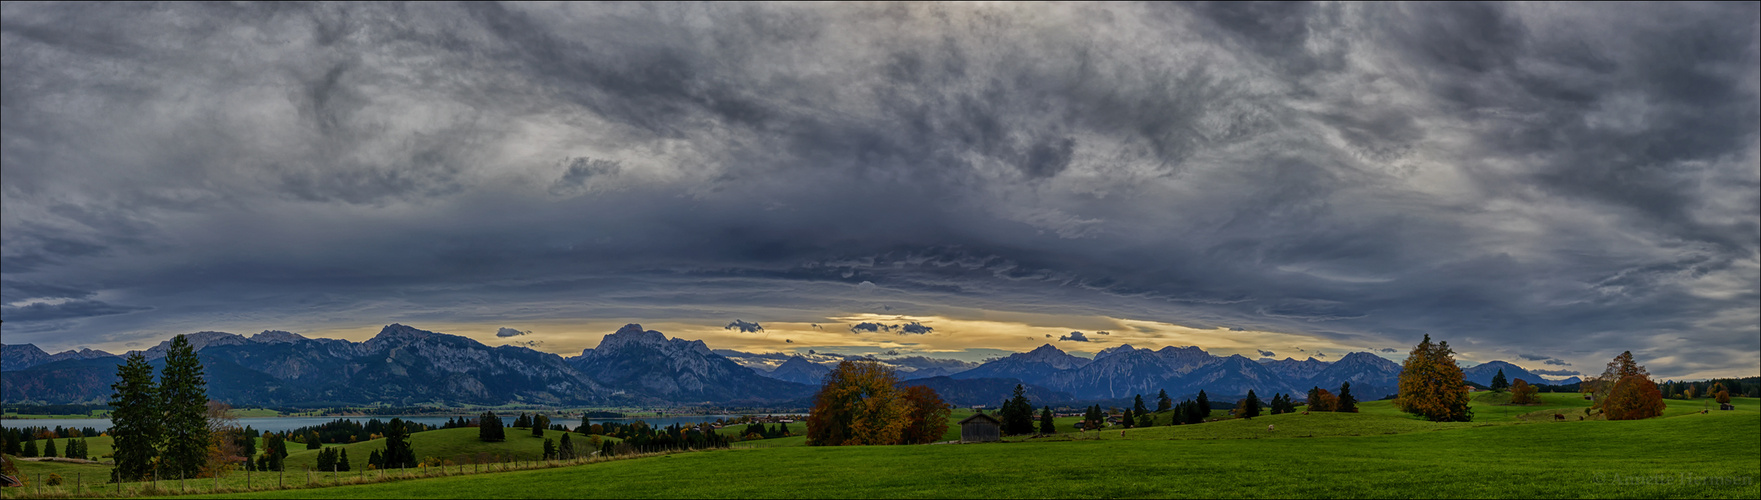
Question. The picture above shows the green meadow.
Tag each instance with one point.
(1378, 452)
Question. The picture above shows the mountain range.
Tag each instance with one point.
(403, 365)
(1482, 374)
(407, 366)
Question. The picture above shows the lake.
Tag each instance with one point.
(279, 424)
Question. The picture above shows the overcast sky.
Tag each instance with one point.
(1546, 184)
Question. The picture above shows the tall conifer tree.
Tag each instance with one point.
(184, 396)
(397, 445)
(1347, 403)
(1204, 405)
(135, 420)
(1250, 407)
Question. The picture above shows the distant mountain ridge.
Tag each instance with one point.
(403, 365)
(646, 363)
(798, 370)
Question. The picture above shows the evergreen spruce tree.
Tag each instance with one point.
(326, 459)
(1498, 381)
(49, 448)
(489, 428)
(1128, 419)
(1017, 413)
(1046, 420)
(1250, 407)
(539, 424)
(376, 460)
(135, 419)
(1163, 402)
(30, 448)
(565, 449)
(312, 441)
(397, 445)
(183, 395)
(342, 459)
(586, 426)
(549, 449)
(1204, 405)
(1347, 403)
(247, 442)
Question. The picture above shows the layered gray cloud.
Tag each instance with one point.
(505, 332)
(1074, 337)
(1570, 180)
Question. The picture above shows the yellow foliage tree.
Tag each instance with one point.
(1432, 385)
(1627, 392)
(859, 404)
(1522, 393)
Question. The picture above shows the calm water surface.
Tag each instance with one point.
(279, 424)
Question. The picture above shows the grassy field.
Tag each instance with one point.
(1641, 459)
(1378, 452)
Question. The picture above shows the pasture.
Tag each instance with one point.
(1379, 452)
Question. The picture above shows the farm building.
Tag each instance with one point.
(980, 428)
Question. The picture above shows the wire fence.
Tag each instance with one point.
(82, 485)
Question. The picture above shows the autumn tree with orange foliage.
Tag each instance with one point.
(223, 443)
(1632, 395)
(860, 403)
(1719, 394)
(1521, 393)
(1432, 385)
(1322, 400)
(927, 420)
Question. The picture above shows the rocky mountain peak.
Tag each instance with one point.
(633, 335)
(198, 341)
(277, 337)
(1110, 351)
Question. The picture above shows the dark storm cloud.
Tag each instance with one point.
(1567, 180)
(1544, 359)
(509, 332)
(867, 327)
(1265, 353)
(914, 328)
(42, 311)
(1074, 337)
(744, 326)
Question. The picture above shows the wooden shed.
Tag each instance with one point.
(980, 428)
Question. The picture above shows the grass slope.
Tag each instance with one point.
(1498, 454)
(1588, 459)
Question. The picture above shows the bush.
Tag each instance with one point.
(53, 480)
